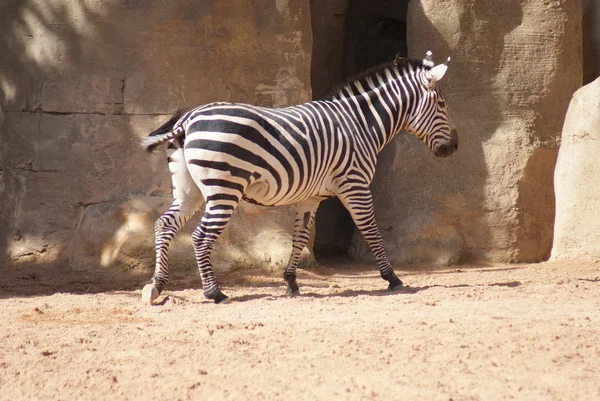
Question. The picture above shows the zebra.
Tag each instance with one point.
(221, 153)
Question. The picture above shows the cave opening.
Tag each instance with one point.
(349, 36)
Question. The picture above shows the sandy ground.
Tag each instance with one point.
(527, 332)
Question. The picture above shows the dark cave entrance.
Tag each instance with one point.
(349, 36)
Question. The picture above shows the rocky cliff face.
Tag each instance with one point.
(512, 74)
(577, 181)
(82, 81)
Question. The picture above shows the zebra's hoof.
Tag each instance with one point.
(220, 298)
(396, 286)
(292, 288)
(149, 294)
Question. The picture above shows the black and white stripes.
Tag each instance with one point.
(222, 153)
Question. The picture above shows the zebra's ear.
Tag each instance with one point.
(438, 72)
(428, 60)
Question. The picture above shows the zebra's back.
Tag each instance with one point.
(270, 156)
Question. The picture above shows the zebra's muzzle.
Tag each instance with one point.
(446, 149)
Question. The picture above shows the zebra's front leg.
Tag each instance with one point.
(305, 217)
(215, 218)
(359, 202)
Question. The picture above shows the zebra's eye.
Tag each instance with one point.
(442, 103)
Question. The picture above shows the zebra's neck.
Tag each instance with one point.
(380, 101)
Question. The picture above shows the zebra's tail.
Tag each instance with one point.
(164, 133)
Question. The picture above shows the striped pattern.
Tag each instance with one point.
(223, 153)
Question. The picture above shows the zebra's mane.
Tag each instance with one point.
(401, 64)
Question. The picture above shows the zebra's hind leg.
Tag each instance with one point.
(219, 208)
(305, 217)
(188, 199)
(165, 229)
(359, 202)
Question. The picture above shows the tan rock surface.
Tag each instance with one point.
(577, 179)
(82, 81)
(513, 71)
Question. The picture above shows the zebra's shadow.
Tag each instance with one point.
(369, 293)
(406, 291)
(343, 294)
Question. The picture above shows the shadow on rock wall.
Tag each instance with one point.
(509, 83)
(440, 210)
(60, 150)
(591, 40)
(82, 81)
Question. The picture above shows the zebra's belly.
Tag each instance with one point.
(258, 193)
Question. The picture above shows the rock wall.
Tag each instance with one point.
(591, 40)
(576, 182)
(328, 21)
(513, 71)
(82, 81)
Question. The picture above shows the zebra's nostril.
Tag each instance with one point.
(441, 150)
(445, 149)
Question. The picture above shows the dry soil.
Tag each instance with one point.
(527, 332)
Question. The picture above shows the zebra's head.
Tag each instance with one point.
(429, 120)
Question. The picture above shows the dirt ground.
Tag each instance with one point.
(527, 332)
